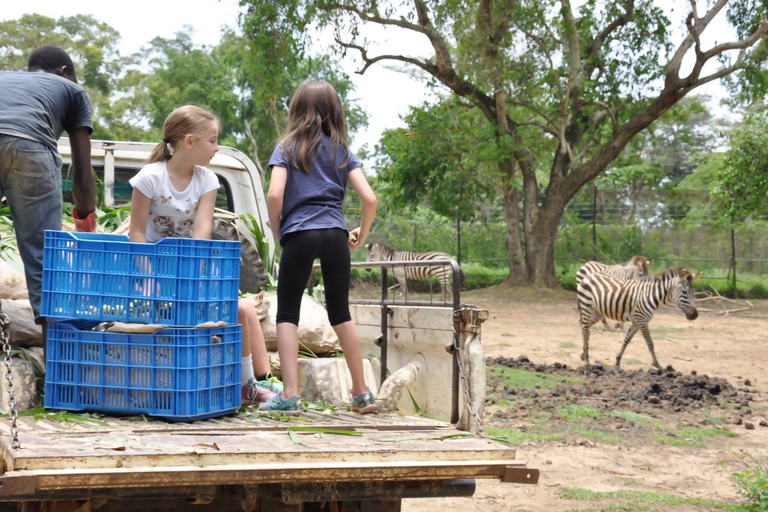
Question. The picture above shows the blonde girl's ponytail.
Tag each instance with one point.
(162, 152)
(186, 120)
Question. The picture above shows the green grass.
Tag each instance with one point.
(632, 361)
(578, 412)
(567, 344)
(692, 437)
(631, 416)
(507, 335)
(630, 500)
(515, 437)
(522, 379)
(600, 435)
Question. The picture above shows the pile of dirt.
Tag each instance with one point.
(669, 390)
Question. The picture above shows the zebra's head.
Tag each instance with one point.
(378, 252)
(683, 293)
(641, 264)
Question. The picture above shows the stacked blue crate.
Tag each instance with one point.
(179, 373)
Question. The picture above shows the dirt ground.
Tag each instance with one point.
(669, 441)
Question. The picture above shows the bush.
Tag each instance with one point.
(753, 484)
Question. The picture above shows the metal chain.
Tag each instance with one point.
(5, 337)
(464, 380)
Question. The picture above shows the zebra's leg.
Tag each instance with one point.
(627, 339)
(649, 342)
(399, 274)
(586, 322)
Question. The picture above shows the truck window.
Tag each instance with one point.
(123, 189)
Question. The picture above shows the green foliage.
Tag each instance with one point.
(446, 157)
(515, 437)
(753, 485)
(642, 500)
(522, 379)
(578, 412)
(742, 183)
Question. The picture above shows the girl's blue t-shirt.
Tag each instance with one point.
(314, 200)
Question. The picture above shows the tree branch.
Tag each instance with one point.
(375, 18)
(596, 45)
(673, 66)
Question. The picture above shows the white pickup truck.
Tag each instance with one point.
(432, 364)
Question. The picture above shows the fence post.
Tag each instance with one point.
(733, 261)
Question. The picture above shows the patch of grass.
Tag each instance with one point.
(632, 361)
(514, 437)
(631, 416)
(504, 402)
(692, 437)
(503, 345)
(567, 344)
(522, 379)
(579, 412)
(602, 436)
(631, 500)
(507, 335)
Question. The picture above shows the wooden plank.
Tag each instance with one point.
(100, 451)
(261, 473)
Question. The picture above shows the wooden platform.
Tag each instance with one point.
(243, 450)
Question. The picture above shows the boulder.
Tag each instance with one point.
(24, 332)
(328, 379)
(25, 386)
(13, 285)
(315, 332)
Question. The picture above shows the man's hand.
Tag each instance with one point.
(84, 225)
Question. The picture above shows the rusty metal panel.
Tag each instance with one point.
(520, 475)
(17, 485)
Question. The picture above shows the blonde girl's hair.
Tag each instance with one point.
(186, 120)
(315, 111)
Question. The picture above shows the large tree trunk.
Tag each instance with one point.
(540, 248)
(518, 271)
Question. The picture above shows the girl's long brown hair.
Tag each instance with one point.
(186, 120)
(315, 110)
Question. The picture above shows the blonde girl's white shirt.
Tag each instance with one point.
(172, 212)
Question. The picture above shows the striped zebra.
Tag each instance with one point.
(633, 301)
(633, 269)
(380, 252)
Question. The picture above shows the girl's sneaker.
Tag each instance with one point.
(256, 392)
(282, 403)
(364, 403)
(272, 383)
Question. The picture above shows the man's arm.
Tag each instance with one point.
(83, 183)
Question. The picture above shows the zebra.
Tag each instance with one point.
(633, 269)
(633, 301)
(380, 252)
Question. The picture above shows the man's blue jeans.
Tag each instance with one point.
(30, 180)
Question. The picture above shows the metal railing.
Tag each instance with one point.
(385, 302)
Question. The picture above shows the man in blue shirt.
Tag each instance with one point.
(35, 108)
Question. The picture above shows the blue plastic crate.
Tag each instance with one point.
(180, 374)
(177, 281)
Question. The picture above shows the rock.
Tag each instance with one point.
(25, 386)
(749, 425)
(548, 462)
(315, 332)
(329, 379)
(24, 331)
(747, 382)
(13, 285)
(763, 423)
(737, 421)
(653, 399)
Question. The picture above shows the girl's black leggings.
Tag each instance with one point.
(300, 250)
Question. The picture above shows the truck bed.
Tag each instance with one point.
(78, 458)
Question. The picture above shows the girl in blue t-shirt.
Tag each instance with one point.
(310, 169)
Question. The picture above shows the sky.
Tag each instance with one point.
(384, 93)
